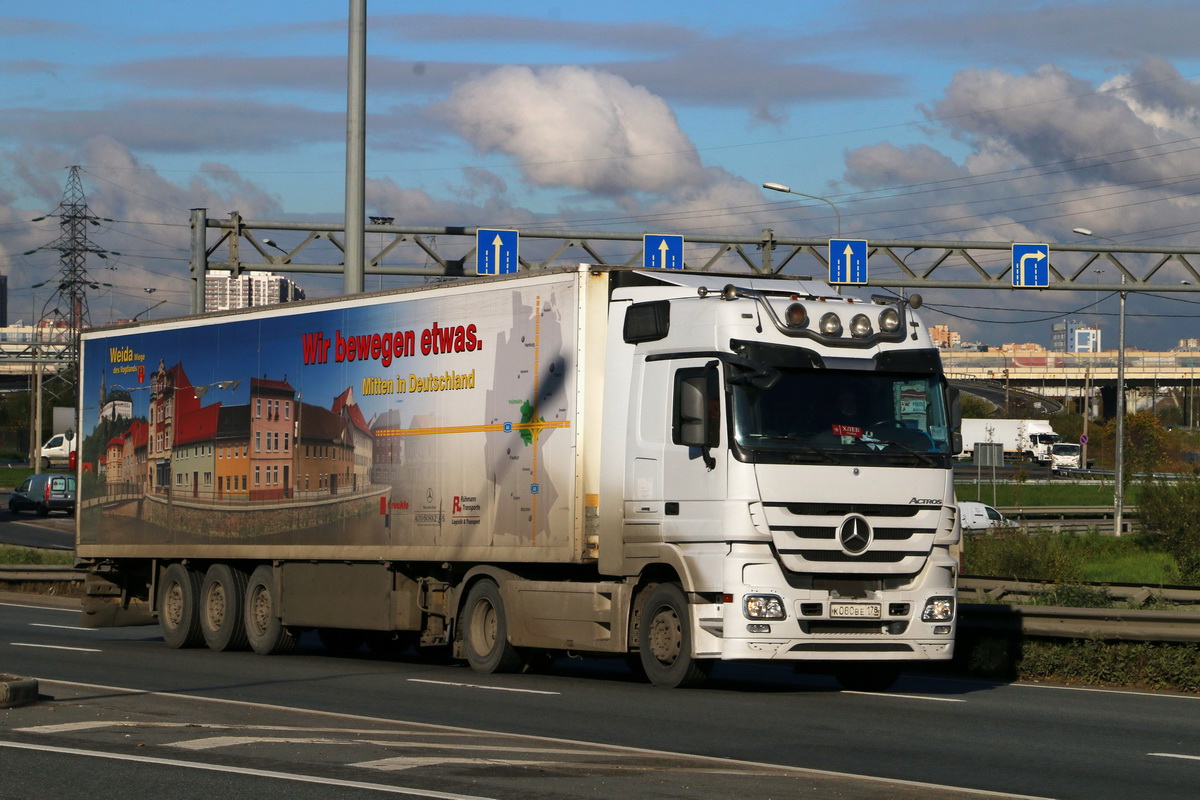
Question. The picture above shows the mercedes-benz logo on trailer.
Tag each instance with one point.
(854, 534)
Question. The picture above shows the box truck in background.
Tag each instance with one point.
(1029, 439)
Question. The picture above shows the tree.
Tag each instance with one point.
(974, 407)
(1171, 509)
(1145, 442)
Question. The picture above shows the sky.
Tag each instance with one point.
(1011, 121)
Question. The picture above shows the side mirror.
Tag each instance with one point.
(697, 421)
(693, 428)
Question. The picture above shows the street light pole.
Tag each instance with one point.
(1119, 478)
(779, 187)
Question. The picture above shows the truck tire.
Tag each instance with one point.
(665, 640)
(264, 626)
(222, 608)
(485, 631)
(178, 613)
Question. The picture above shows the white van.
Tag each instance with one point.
(57, 451)
(978, 516)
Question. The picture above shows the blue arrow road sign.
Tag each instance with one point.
(1030, 265)
(495, 251)
(662, 251)
(847, 260)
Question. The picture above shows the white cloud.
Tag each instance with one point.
(576, 128)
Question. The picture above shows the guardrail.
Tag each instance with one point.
(1129, 624)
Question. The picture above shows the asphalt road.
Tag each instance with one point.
(27, 529)
(768, 728)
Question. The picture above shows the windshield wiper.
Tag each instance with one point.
(794, 439)
(928, 459)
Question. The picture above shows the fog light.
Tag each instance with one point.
(758, 628)
(763, 606)
(938, 609)
(941, 629)
(796, 315)
(860, 326)
(830, 324)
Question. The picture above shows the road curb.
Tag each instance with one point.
(15, 691)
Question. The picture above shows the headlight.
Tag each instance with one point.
(860, 326)
(830, 324)
(889, 320)
(763, 606)
(938, 609)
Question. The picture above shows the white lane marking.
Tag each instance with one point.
(213, 742)
(259, 773)
(1175, 755)
(427, 726)
(43, 608)
(57, 647)
(68, 727)
(410, 762)
(907, 696)
(62, 627)
(480, 686)
(1102, 690)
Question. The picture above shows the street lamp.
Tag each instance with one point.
(779, 187)
(1119, 487)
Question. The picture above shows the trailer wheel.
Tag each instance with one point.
(867, 677)
(665, 640)
(485, 631)
(264, 627)
(178, 615)
(222, 608)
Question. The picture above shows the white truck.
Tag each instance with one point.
(684, 467)
(1065, 456)
(1027, 439)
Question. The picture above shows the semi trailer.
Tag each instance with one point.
(678, 467)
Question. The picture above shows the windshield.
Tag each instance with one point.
(822, 415)
(1066, 450)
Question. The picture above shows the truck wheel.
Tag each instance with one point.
(665, 640)
(485, 631)
(45, 463)
(867, 677)
(222, 608)
(177, 607)
(264, 627)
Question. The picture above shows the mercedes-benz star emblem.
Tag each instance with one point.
(854, 534)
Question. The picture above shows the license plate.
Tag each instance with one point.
(858, 610)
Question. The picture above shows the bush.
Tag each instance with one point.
(1171, 509)
(23, 556)
(1153, 665)
(1015, 554)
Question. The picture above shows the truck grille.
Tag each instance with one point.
(806, 536)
